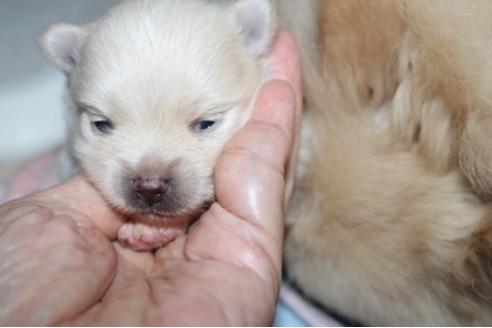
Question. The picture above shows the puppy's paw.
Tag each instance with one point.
(142, 237)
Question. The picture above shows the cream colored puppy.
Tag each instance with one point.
(156, 89)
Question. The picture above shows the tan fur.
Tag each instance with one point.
(384, 226)
(457, 37)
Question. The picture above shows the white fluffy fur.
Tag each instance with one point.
(153, 68)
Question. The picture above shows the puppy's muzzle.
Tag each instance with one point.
(154, 193)
(151, 189)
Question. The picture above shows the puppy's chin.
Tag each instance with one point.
(150, 229)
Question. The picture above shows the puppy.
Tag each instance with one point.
(388, 223)
(155, 90)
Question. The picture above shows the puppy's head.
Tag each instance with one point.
(158, 88)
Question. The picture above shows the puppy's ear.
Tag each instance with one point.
(61, 44)
(256, 23)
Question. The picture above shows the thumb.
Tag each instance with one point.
(78, 194)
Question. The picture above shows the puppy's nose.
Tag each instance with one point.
(151, 189)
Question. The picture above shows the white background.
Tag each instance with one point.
(31, 116)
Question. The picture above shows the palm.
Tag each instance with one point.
(100, 283)
(189, 282)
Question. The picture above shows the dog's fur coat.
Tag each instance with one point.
(389, 223)
(385, 227)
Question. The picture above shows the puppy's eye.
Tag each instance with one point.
(203, 125)
(105, 126)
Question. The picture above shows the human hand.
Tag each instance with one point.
(59, 264)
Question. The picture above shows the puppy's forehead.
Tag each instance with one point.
(144, 53)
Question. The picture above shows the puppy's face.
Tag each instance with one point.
(159, 88)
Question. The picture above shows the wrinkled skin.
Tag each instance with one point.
(60, 264)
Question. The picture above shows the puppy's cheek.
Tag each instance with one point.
(197, 188)
(103, 171)
(209, 189)
(111, 185)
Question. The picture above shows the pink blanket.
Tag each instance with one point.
(40, 173)
(37, 174)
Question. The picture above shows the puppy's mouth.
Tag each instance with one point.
(155, 213)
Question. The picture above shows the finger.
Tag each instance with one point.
(77, 195)
(250, 174)
(271, 134)
(284, 63)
